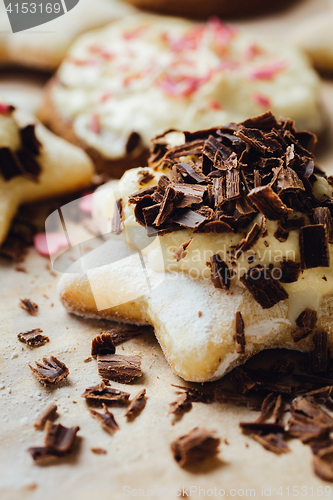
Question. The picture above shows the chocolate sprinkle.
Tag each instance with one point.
(239, 336)
(196, 446)
(29, 306)
(33, 338)
(47, 414)
(103, 392)
(119, 336)
(137, 404)
(118, 367)
(264, 287)
(102, 344)
(314, 249)
(51, 372)
(106, 419)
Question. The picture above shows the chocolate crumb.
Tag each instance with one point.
(119, 367)
(51, 372)
(102, 344)
(272, 442)
(322, 468)
(33, 338)
(47, 414)
(104, 392)
(88, 359)
(29, 306)
(137, 404)
(98, 451)
(21, 269)
(307, 318)
(313, 241)
(106, 419)
(196, 446)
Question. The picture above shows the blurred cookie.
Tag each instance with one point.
(35, 164)
(200, 10)
(44, 47)
(316, 38)
(120, 86)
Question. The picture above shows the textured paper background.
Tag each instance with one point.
(138, 456)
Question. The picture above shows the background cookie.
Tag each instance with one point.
(44, 47)
(120, 86)
(316, 38)
(35, 164)
(223, 8)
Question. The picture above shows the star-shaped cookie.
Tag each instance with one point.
(35, 164)
(231, 230)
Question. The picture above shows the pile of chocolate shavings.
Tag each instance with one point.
(23, 162)
(236, 172)
(292, 396)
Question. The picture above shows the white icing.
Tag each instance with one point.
(148, 74)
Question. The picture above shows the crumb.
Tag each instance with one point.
(31, 486)
(88, 359)
(99, 451)
(200, 314)
(21, 269)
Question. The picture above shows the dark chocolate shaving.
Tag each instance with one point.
(314, 249)
(102, 344)
(137, 404)
(220, 272)
(23, 161)
(119, 336)
(307, 318)
(145, 177)
(181, 405)
(106, 419)
(46, 415)
(118, 367)
(272, 442)
(196, 446)
(33, 338)
(320, 355)
(29, 306)
(103, 392)
(263, 286)
(290, 271)
(268, 202)
(239, 336)
(51, 372)
(181, 252)
(59, 438)
(322, 215)
(195, 395)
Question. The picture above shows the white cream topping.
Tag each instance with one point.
(9, 132)
(148, 74)
(307, 291)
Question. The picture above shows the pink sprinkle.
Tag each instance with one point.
(99, 50)
(269, 71)
(261, 100)
(130, 35)
(223, 33)
(94, 124)
(213, 104)
(181, 86)
(4, 108)
(106, 96)
(252, 51)
(49, 244)
(81, 62)
(86, 203)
